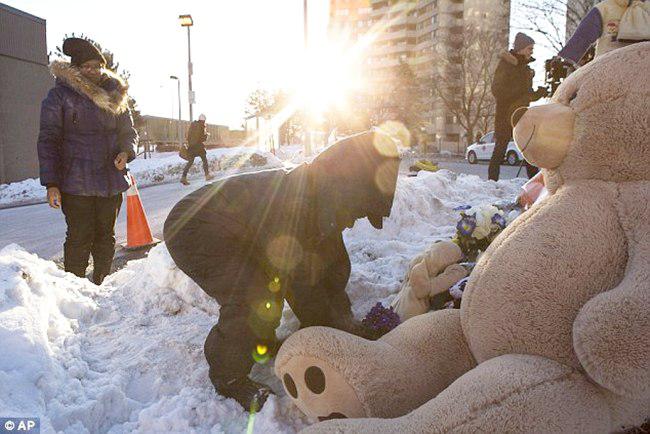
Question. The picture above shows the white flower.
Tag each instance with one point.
(484, 214)
(512, 215)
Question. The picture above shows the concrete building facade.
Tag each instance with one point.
(24, 83)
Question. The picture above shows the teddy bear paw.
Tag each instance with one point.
(306, 368)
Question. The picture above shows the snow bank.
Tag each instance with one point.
(423, 212)
(128, 356)
(162, 168)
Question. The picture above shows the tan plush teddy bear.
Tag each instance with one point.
(431, 273)
(561, 345)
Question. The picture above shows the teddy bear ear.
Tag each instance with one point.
(419, 280)
(441, 255)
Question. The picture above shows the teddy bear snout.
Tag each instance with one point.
(544, 134)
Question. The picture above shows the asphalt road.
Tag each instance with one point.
(41, 230)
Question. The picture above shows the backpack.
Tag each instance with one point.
(184, 153)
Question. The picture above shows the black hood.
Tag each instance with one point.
(355, 178)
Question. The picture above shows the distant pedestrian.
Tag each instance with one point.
(512, 88)
(196, 137)
(86, 138)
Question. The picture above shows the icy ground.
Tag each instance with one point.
(161, 168)
(127, 356)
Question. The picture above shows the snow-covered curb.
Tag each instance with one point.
(162, 168)
(128, 356)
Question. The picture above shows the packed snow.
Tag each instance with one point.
(161, 168)
(128, 356)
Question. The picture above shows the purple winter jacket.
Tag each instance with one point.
(83, 128)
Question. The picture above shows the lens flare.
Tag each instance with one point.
(274, 285)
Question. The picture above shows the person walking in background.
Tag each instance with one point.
(512, 89)
(86, 138)
(196, 137)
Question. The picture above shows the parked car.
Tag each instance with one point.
(482, 150)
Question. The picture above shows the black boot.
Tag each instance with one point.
(248, 393)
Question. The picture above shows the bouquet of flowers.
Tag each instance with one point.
(381, 320)
(478, 227)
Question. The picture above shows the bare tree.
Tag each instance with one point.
(402, 98)
(463, 77)
(554, 20)
(267, 104)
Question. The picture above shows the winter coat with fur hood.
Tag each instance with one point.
(512, 87)
(83, 128)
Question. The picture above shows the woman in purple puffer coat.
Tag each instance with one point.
(86, 138)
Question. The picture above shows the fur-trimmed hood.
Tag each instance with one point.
(115, 99)
(513, 59)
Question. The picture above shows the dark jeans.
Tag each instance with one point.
(251, 302)
(503, 136)
(91, 229)
(191, 162)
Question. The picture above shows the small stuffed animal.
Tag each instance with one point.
(553, 331)
(430, 274)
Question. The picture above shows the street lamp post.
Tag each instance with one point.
(187, 21)
(178, 124)
(308, 122)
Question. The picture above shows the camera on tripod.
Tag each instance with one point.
(556, 71)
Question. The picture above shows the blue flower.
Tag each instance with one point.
(466, 225)
(381, 319)
(499, 220)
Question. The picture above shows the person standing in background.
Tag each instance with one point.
(512, 89)
(196, 137)
(86, 138)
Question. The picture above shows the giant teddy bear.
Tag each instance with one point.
(553, 332)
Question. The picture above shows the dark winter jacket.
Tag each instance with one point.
(196, 136)
(83, 128)
(512, 87)
(289, 223)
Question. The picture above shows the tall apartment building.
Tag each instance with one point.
(413, 31)
(349, 19)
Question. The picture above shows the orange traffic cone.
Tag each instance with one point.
(138, 233)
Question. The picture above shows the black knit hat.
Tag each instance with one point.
(81, 51)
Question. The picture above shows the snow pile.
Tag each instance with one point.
(162, 168)
(423, 212)
(23, 192)
(128, 356)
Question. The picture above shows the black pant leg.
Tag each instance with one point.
(244, 335)
(502, 138)
(251, 308)
(531, 170)
(103, 247)
(206, 169)
(79, 214)
(188, 166)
